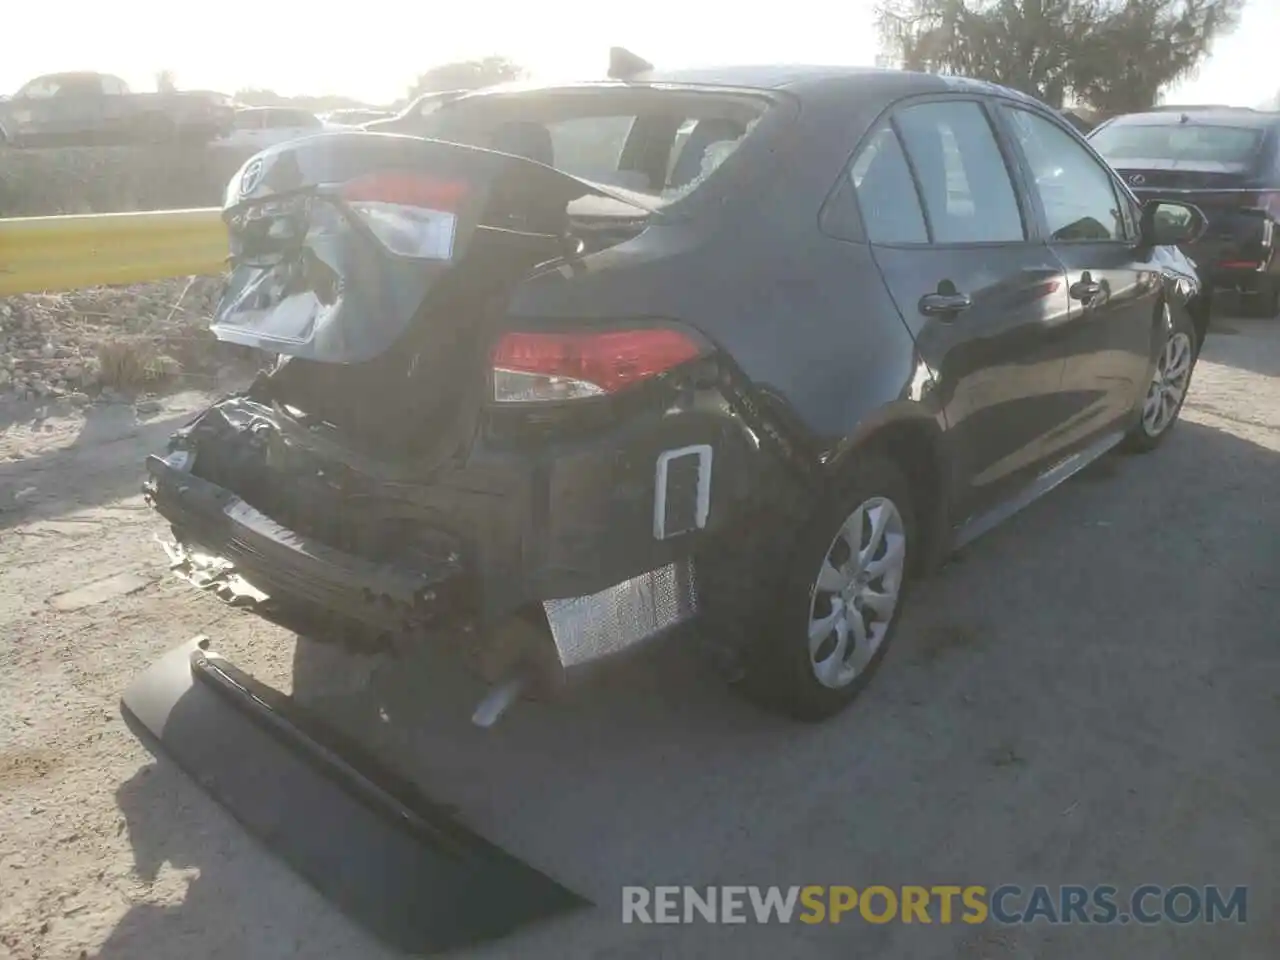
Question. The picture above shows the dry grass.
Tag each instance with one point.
(146, 337)
(141, 338)
(135, 364)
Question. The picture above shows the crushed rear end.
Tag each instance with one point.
(415, 467)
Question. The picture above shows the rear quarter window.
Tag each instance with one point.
(886, 194)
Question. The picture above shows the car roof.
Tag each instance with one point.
(76, 75)
(272, 108)
(798, 79)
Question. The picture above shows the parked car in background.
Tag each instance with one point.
(1225, 160)
(848, 321)
(257, 127)
(355, 117)
(76, 109)
(412, 119)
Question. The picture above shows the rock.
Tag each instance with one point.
(6, 311)
(5, 378)
(78, 399)
(48, 351)
(148, 406)
(73, 373)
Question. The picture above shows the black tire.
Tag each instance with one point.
(780, 674)
(1147, 434)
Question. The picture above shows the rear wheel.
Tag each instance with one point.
(1169, 383)
(839, 598)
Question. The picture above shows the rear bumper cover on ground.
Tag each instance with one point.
(391, 859)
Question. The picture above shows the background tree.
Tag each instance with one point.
(1114, 55)
(1143, 46)
(166, 81)
(466, 75)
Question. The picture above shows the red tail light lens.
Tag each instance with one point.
(407, 189)
(410, 214)
(566, 366)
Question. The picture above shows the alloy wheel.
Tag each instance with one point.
(1168, 384)
(855, 594)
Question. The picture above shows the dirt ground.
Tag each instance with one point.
(1088, 695)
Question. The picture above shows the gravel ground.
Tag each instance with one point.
(1088, 695)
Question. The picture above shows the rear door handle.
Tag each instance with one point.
(938, 304)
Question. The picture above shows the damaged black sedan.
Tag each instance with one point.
(748, 348)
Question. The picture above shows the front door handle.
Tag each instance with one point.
(1085, 289)
(940, 304)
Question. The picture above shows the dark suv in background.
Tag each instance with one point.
(1226, 161)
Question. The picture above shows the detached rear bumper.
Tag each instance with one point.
(277, 560)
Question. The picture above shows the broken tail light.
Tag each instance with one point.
(410, 214)
(540, 367)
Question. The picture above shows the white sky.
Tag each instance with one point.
(372, 49)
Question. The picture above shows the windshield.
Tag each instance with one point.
(1184, 142)
(653, 145)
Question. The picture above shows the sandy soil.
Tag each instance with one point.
(1088, 695)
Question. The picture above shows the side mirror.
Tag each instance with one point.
(1170, 223)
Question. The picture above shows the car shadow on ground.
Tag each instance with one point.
(101, 465)
(1243, 342)
(1086, 695)
(1251, 346)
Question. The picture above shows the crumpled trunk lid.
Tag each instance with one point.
(319, 270)
(377, 267)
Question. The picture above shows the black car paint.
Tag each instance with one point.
(820, 349)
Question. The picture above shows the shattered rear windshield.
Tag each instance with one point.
(1186, 142)
(657, 145)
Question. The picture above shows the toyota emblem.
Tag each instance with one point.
(1137, 180)
(251, 177)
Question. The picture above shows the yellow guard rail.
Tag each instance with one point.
(68, 252)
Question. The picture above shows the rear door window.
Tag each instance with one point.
(968, 194)
(886, 193)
